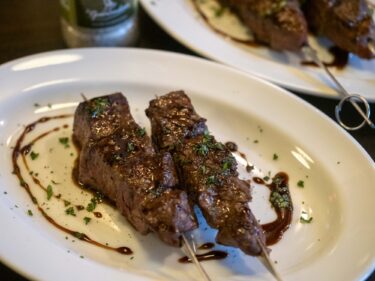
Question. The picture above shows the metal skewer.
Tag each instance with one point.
(194, 259)
(352, 98)
(268, 262)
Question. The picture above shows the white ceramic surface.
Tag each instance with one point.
(181, 20)
(338, 174)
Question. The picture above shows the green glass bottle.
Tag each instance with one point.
(87, 23)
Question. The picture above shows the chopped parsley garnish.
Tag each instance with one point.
(86, 220)
(98, 106)
(208, 142)
(92, 205)
(79, 235)
(49, 192)
(304, 219)
(211, 180)
(70, 211)
(219, 146)
(34, 155)
(227, 166)
(130, 147)
(255, 141)
(64, 141)
(203, 169)
(202, 149)
(275, 156)
(220, 11)
(228, 163)
(279, 200)
(66, 203)
(266, 178)
(30, 213)
(280, 196)
(301, 183)
(141, 132)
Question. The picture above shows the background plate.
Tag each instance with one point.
(180, 19)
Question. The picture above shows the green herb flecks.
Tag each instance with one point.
(228, 163)
(220, 11)
(266, 178)
(66, 203)
(98, 106)
(34, 155)
(49, 192)
(79, 235)
(275, 156)
(301, 183)
(70, 211)
(30, 213)
(304, 218)
(279, 200)
(92, 205)
(206, 144)
(280, 196)
(202, 149)
(64, 142)
(211, 180)
(141, 132)
(130, 147)
(203, 169)
(86, 220)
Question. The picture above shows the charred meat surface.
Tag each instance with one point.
(207, 169)
(278, 23)
(117, 158)
(347, 23)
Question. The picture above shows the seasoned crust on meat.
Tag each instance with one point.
(117, 158)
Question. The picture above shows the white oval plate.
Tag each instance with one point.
(261, 118)
(181, 20)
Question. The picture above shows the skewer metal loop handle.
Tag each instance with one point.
(353, 99)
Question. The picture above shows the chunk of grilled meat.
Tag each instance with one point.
(117, 158)
(207, 169)
(347, 23)
(278, 23)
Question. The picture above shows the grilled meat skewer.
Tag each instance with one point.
(277, 23)
(208, 171)
(117, 158)
(348, 24)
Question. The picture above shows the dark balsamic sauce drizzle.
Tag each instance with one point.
(274, 230)
(211, 255)
(98, 214)
(206, 246)
(23, 151)
(340, 58)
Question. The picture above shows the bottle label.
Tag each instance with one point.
(96, 13)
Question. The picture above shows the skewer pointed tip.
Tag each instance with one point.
(267, 262)
(194, 259)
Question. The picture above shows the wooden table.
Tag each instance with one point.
(32, 26)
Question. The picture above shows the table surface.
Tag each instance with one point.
(29, 27)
